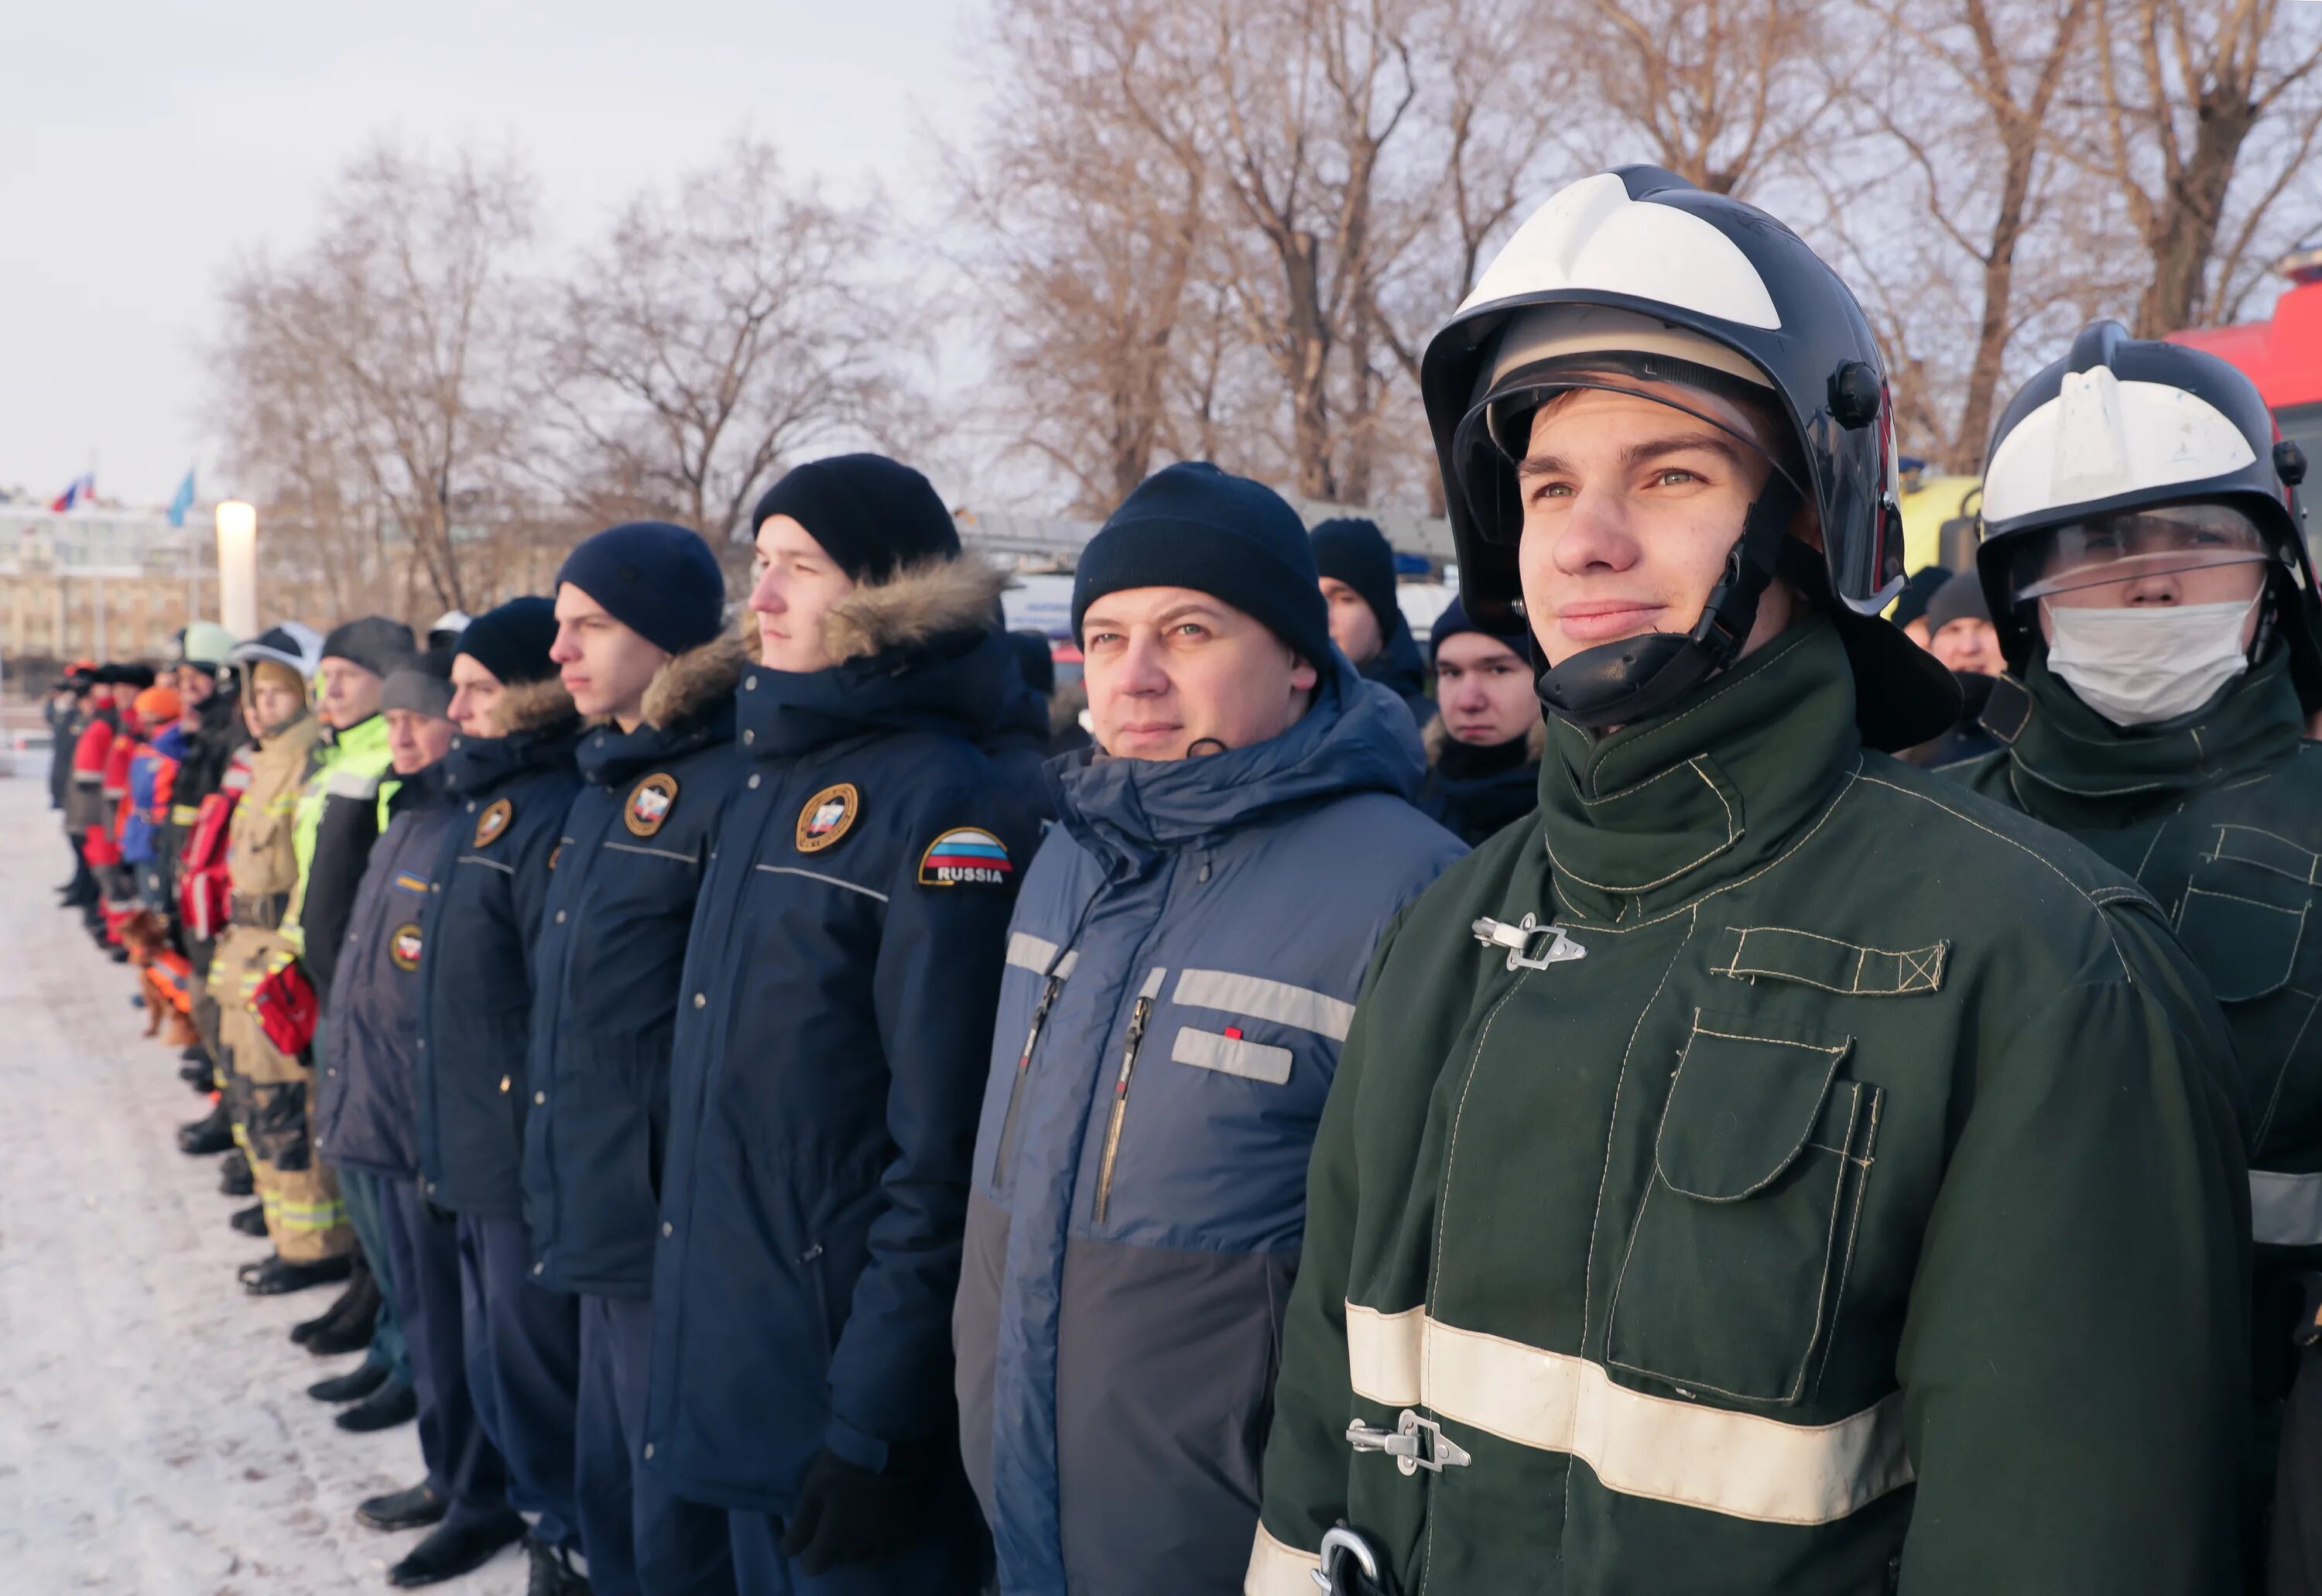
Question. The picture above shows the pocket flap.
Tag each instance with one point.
(1231, 1055)
(2246, 948)
(1744, 1102)
(1747, 951)
(2267, 849)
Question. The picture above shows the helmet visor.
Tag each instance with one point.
(2189, 553)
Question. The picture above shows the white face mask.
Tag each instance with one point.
(2134, 665)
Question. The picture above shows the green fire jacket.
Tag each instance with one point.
(1838, 1188)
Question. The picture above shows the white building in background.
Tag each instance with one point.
(99, 582)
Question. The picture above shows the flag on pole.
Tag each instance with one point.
(182, 500)
(83, 486)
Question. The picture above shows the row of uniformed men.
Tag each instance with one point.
(1764, 1167)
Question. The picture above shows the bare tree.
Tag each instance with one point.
(2202, 113)
(711, 337)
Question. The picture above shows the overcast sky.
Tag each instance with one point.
(149, 143)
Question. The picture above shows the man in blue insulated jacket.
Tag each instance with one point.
(640, 610)
(365, 1121)
(845, 954)
(1182, 967)
(510, 778)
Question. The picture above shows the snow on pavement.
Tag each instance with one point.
(155, 1434)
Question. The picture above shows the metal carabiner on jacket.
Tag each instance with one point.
(1518, 939)
(1414, 1443)
(1351, 1565)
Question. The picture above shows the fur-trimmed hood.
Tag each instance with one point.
(1435, 740)
(690, 684)
(535, 706)
(918, 605)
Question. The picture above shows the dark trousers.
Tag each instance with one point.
(524, 1365)
(366, 1200)
(641, 1541)
(423, 1278)
(949, 1559)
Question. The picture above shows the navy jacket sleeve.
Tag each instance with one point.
(528, 885)
(935, 989)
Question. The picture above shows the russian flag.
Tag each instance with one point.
(964, 856)
(80, 487)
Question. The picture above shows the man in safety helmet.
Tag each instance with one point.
(1771, 1169)
(2146, 569)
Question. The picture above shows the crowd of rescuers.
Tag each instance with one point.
(791, 1112)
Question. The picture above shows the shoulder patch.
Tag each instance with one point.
(827, 817)
(966, 856)
(649, 803)
(403, 948)
(493, 821)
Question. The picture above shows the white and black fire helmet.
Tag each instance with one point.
(2122, 425)
(1742, 300)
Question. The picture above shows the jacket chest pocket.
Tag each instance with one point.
(2243, 920)
(1736, 1264)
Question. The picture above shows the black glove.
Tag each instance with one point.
(847, 1513)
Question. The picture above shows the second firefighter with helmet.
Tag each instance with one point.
(2146, 567)
(1772, 1167)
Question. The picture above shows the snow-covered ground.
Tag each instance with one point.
(155, 1433)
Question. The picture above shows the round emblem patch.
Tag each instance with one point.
(649, 803)
(827, 816)
(403, 948)
(493, 821)
(966, 856)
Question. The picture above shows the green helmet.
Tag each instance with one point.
(207, 644)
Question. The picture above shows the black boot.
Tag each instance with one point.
(353, 1386)
(350, 1327)
(415, 1508)
(350, 1301)
(233, 1175)
(252, 1220)
(391, 1404)
(275, 1276)
(553, 1573)
(449, 1551)
(212, 1133)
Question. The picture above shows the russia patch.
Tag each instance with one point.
(966, 856)
(403, 948)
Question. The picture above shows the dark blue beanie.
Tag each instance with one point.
(661, 581)
(1192, 525)
(513, 640)
(1514, 634)
(869, 513)
(1354, 550)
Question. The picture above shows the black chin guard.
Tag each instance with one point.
(1621, 682)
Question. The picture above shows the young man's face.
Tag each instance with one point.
(1629, 510)
(416, 740)
(1353, 627)
(2197, 553)
(1171, 671)
(272, 704)
(476, 695)
(604, 664)
(195, 686)
(1483, 691)
(349, 693)
(797, 585)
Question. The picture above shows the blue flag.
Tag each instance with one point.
(183, 500)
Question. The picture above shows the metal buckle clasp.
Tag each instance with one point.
(1518, 939)
(1342, 1542)
(1414, 1443)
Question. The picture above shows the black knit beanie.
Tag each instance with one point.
(422, 684)
(1516, 635)
(1192, 525)
(1958, 600)
(869, 513)
(1919, 589)
(373, 642)
(1354, 550)
(661, 581)
(513, 640)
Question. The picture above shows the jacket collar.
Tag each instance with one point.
(2074, 767)
(421, 789)
(477, 765)
(1356, 737)
(1398, 666)
(920, 651)
(1649, 817)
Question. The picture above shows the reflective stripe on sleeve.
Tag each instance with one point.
(1278, 1570)
(2286, 1210)
(1740, 1464)
(1260, 999)
(1035, 953)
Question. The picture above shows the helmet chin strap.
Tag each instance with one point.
(1625, 681)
